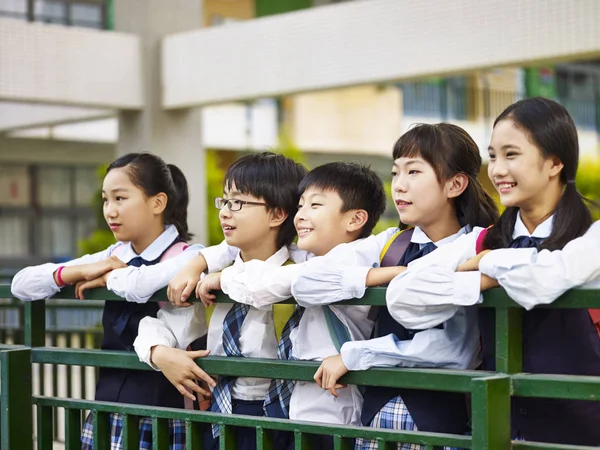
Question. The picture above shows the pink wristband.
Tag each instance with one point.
(58, 277)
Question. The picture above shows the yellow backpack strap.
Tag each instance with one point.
(395, 247)
(282, 313)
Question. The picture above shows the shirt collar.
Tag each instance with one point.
(154, 250)
(542, 231)
(419, 236)
(277, 259)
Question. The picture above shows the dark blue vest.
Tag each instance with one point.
(555, 341)
(443, 412)
(120, 321)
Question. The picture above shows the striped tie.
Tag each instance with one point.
(277, 401)
(232, 326)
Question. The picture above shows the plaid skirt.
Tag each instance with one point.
(176, 433)
(393, 416)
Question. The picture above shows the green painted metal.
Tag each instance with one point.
(16, 429)
(490, 402)
(509, 344)
(490, 392)
(521, 445)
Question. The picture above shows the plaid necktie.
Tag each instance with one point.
(232, 326)
(277, 401)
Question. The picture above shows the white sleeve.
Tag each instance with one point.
(533, 278)
(341, 274)
(219, 256)
(37, 282)
(258, 283)
(456, 346)
(430, 291)
(137, 284)
(173, 327)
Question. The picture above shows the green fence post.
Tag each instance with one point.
(490, 401)
(509, 342)
(35, 324)
(16, 429)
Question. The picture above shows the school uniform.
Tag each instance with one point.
(555, 341)
(310, 337)
(455, 344)
(234, 330)
(120, 321)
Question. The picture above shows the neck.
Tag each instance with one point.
(442, 228)
(345, 239)
(139, 245)
(262, 250)
(543, 207)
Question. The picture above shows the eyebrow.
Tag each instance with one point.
(506, 147)
(115, 190)
(316, 194)
(410, 162)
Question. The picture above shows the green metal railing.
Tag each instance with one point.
(490, 393)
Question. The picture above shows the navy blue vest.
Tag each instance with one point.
(436, 411)
(559, 341)
(120, 321)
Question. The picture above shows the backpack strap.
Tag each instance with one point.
(282, 313)
(337, 330)
(395, 247)
(479, 245)
(174, 250)
(595, 316)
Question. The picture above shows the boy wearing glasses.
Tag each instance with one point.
(260, 199)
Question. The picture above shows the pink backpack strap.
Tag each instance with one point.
(174, 250)
(479, 245)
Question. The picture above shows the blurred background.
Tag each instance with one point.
(201, 82)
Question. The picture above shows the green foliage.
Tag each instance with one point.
(102, 237)
(214, 188)
(588, 183)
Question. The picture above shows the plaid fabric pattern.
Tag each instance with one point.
(232, 325)
(393, 416)
(176, 433)
(277, 400)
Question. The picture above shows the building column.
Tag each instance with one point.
(173, 135)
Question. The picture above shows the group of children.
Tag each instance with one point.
(451, 245)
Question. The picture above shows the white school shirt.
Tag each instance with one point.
(178, 327)
(258, 285)
(37, 282)
(342, 274)
(431, 289)
(532, 277)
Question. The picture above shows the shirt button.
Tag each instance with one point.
(523, 411)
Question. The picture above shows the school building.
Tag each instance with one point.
(82, 81)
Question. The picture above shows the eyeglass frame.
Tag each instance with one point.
(229, 202)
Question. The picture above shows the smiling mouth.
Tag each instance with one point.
(505, 186)
(402, 203)
(302, 232)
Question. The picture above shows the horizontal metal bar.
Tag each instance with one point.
(573, 387)
(522, 445)
(263, 422)
(441, 380)
(493, 298)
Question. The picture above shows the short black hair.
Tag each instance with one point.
(274, 178)
(358, 186)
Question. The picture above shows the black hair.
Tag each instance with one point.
(358, 186)
(550, 127)
(275, 179)
(450, 150)
(153, 176)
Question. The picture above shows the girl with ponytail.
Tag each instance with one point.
(145, 206)
(541, 246)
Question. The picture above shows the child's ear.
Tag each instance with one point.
(159, 203)
(358, 219)
(457, 185)
(556, 166)
(278, 216)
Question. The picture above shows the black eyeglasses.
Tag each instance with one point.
(234, 204)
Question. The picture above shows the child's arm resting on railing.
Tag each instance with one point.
(454, 346)
(533, 278)
(161, 343)
(44, 281)
(138, 284)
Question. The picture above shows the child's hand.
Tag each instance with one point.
(88, 272)
(182, 285)
(211, 282)
(488, 283)
(85, 285)
(331, 370)
(472, 265)
(179, 367)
